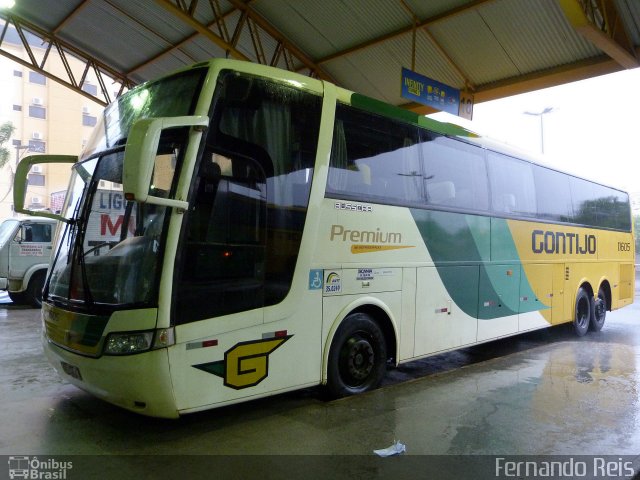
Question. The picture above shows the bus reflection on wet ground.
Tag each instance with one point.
(546, 392)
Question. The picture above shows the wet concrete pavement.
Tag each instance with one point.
(542, 393)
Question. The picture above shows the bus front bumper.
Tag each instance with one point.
(140, 383)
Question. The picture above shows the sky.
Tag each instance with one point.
(592, 129)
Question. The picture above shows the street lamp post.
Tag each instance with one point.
(541, 115)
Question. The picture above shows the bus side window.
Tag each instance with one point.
(512, 185)
(455, 174)
(374, 158)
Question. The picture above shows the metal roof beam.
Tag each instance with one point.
(65, 50)
(248, 19)
(599, 22)
(218, 21)
(183, 14)
(582, 70)
(292, 50)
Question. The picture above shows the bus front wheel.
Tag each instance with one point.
(358, 355)
(582, 313)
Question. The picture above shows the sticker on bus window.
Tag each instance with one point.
(365, 274)
(333, 283)
(315, 279)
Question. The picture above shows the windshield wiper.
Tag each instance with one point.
(77, 239)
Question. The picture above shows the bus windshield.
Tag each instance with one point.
(108, 254)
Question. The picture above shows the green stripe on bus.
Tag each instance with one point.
(457, 241)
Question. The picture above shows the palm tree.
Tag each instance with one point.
(6, 130)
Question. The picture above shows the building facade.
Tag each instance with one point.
(48, 118)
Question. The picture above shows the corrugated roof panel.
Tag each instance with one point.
(431, 62)
(492, 40)
(151, 18)
(56, 12)
(322, 28)
(164, 65)
(629, 11)
(204, 12)
(473, 47)
(100, 24)
(374, 71)
(432, 8)
(201, 48)
(534, 34)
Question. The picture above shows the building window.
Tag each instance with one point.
(37, 112)
(36, 179)
(89, 88)
(89, 120)
(35, 77)
(37, 146)
(17, 73)
(17, 108)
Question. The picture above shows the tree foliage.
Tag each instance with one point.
(6, 130)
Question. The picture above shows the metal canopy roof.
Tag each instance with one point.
(492, 48)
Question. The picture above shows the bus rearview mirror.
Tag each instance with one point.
(140, 156)
(21, 182)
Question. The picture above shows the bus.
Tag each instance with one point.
(279, 232)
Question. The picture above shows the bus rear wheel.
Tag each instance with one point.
(582, 313)
(358, 355)
(599, 311)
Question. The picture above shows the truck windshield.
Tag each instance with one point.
(109, 253)
(7, 229)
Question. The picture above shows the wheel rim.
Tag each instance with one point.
(357, 360)
(582, 312)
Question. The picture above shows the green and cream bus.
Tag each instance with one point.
(279, 232)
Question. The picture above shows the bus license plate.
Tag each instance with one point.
(71, 370)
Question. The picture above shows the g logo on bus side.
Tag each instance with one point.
(246, 364)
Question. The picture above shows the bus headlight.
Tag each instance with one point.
(129, 343)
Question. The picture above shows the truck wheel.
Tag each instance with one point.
(34, 290)
(17, 297)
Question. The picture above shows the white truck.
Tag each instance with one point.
(25, 251)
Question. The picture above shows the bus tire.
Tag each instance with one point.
(358, 356)
(34, 290)
(598, 312)
(582, 313)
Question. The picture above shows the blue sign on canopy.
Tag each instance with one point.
(429, 92)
